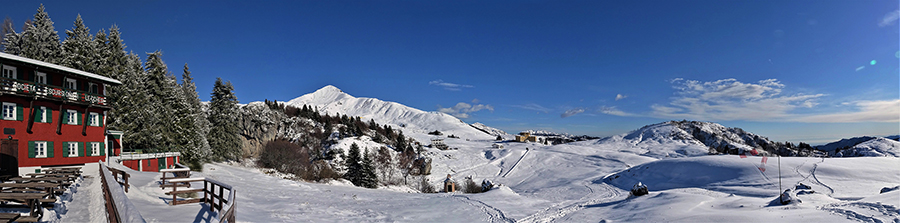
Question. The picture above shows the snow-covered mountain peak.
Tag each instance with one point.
(324, 95)
(332, 100)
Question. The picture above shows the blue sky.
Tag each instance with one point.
(789, 70)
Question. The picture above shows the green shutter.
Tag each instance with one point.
(38, 113)
(65, 117)
(20, 73)
(78, 118)
(31, 76)
(49, 114)
(100, 119)
(65, 149)
(102, 149)
(31, 149)
(50, 149)
(19, 114)
(84, 148)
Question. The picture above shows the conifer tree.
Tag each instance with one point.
(40, 40)
(162, 102)
(224, 129)
(80, 48)
(369, 179)
(131, 101)
(354, 166)
(198, 125)
(10, 41)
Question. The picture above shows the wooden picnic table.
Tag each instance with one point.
(32, 200)
(34, 187)
(8, 217)
(64, 168)
(59, 180)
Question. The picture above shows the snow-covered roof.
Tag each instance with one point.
(58, 67)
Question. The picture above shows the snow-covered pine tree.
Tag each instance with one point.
(162, 98)
(369, 179)
(40, 40)
(7, 30)
(80, 48)
(354, 166)
(199, 147)
(131, 102)
(224, 129)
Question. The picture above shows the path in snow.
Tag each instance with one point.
(517, 162)
(865, 211)
(558, 211)
(813, 173)
(495, 215)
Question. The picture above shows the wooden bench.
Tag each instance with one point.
(177, 173)
(8, 217)
(175, 192)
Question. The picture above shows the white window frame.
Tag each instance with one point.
(91, 87)
(73, 152)
(40, 77)
(9, 111)
(95, 149)
(71, 83)
(73, 116)
(11, 72)
(94, 118)
(40, 149)
(43, 114)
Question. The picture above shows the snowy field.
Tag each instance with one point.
(576, 182)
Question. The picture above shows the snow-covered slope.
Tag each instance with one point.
(687, 138)
(489, 130)
(874, 147)
(332, 100)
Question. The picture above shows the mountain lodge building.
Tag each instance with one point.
(51, 115)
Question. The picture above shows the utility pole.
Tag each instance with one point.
(780, 198)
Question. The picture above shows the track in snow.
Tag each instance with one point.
(517, 163)
(865, 211)
(813, 173)
(493, 213)
(553, 213)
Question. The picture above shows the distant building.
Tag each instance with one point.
(527, 137)
(439, 144)
(51, 115)
(449, 185)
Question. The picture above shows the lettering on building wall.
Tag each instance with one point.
(43, 90)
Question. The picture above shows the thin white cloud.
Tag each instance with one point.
(462, 109)
(615, 111)
(729, 99)
(533, 107)
(890, 18)
(620, 96)
(571, 112)
(449, 86)
(860, 68)
(867, 111)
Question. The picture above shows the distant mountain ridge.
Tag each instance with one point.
(332, 100)
(695, 138)
(863, 146)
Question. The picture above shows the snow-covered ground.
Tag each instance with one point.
(576, 182)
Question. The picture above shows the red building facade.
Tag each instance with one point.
(51, 115)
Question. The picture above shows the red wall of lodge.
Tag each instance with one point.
(47, 132)
(133, 164)
(150, 165)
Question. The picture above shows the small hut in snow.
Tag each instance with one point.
(449, 185)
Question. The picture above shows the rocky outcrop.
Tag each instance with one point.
(260, 124)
